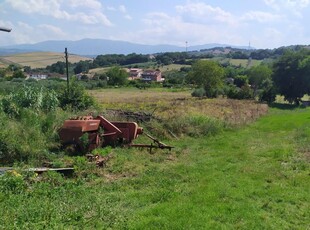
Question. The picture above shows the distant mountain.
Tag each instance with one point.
(94, 47)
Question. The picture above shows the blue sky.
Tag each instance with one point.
(263, 23)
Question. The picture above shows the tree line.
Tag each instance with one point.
(289, 76)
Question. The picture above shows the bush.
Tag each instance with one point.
(200, 92)
(233, 92)
(76, 98)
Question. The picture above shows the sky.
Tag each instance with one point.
(260, 23)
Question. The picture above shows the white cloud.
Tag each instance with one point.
(294, 6)
(262, 17)
(111, 8)
(56, 31)
(35, 6)
(53, 8)
(162, 28)
(92, 4)
(128, 17)
(204, 13)
(122, 9)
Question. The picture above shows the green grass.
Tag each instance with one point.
(255, 177)
(244, 62)
(170, 67)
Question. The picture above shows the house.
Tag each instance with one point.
(37, 76)
(151, 75)
(84, 76)
(134, 73)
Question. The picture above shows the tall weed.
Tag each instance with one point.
(194, 126)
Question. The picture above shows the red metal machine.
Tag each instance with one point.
(88, 133)
(98, 132)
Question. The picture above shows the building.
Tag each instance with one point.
(134, 73)
(37, 76)
(151, 75)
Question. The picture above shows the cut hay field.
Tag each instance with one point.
(38, 59)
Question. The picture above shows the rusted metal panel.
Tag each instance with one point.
(85, 125)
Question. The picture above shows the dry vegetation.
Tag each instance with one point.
(38, 59)
(169, 105)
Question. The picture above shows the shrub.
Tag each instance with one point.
(76, 98)
(233, 92)
(200, 92)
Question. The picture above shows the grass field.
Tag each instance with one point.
(254, 176)
(173, 103)
(244, 62)
(172, 67)
(38, 59)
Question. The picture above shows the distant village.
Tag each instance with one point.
(133, 74)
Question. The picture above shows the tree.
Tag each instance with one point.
(27, 69)
(2, 73)
(58, 67)
(291, 75)
(207, 74)
(18, 74)
(81, 66)
(257, 75)
(117, 76)
(240, 80)
(268, 92)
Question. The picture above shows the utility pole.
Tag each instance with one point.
(67, 69)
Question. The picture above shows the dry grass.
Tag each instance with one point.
(99, 70)
(170, 105)
(38, 59)
(172, 67)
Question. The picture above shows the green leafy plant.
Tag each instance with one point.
(75, 98)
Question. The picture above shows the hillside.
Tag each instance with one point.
(94, 47)
(38, 59)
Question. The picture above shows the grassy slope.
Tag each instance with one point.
(255, 177)
(38, 59)
(244, 62)
(250, 178)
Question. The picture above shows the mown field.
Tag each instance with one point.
(251, 174)
(38, 59)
